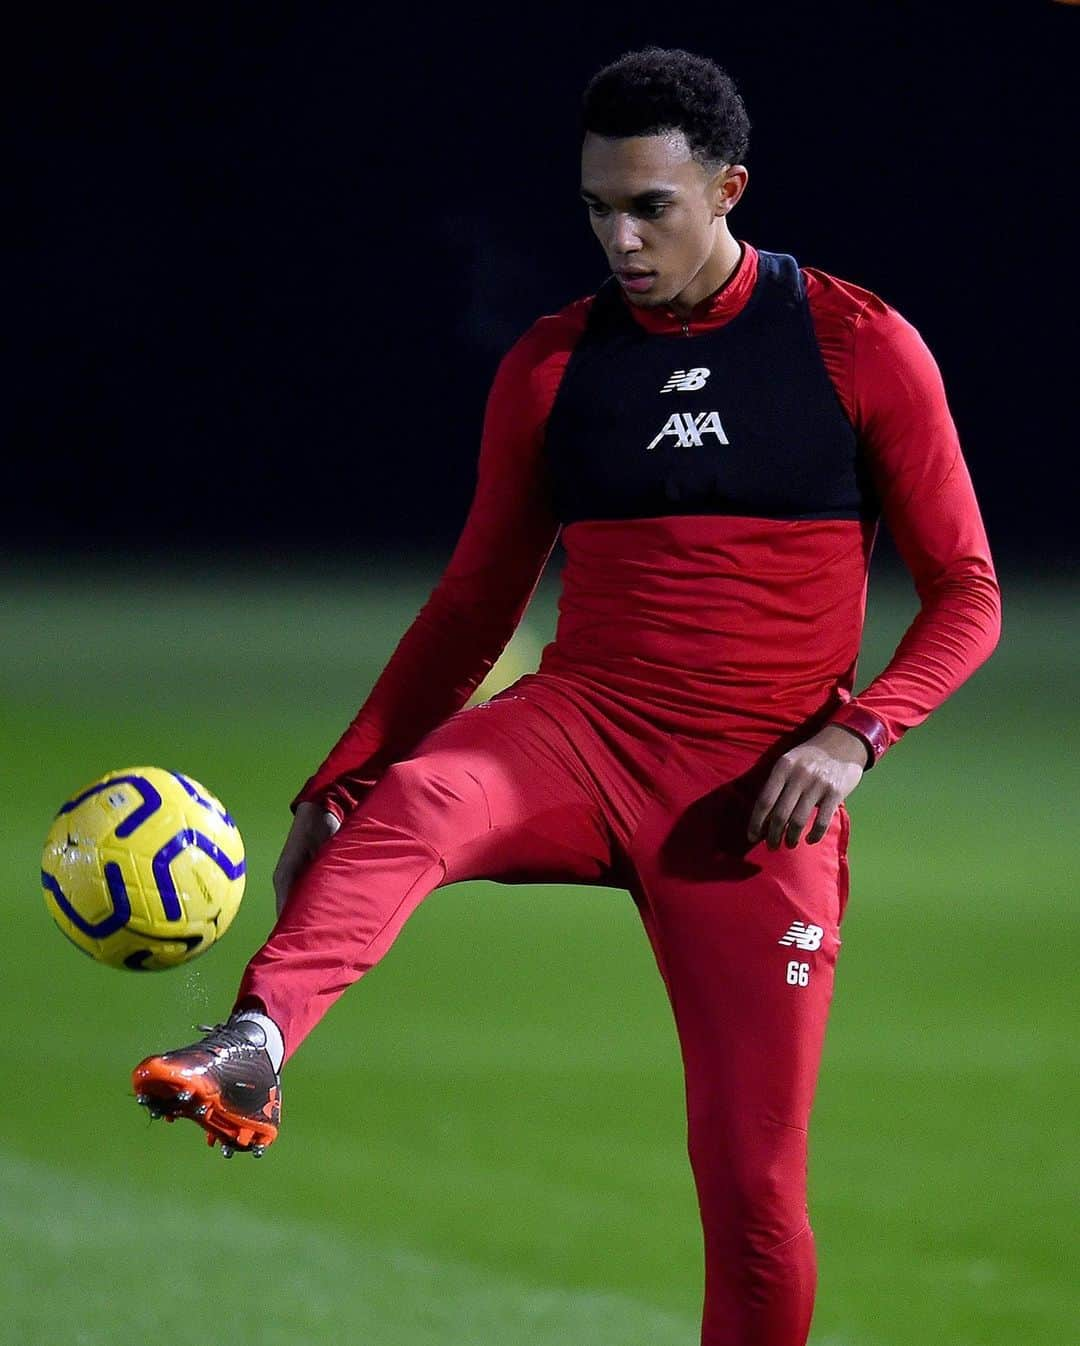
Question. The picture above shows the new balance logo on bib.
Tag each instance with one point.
(686, 381)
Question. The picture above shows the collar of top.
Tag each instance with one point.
(714, 310)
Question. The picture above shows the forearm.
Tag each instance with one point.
(954, 632)
(941, 538)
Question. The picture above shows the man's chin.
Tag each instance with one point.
(648, 300)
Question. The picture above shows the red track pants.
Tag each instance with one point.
(539, 785)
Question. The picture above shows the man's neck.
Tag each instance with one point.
(722, 263)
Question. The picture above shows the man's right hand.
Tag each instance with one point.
(312, 827)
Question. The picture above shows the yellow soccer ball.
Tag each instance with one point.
(143, 869)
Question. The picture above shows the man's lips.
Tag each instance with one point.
(635, 280)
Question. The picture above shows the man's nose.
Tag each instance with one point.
(624, 236)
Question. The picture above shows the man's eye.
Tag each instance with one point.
(654, 210)
(595, 208)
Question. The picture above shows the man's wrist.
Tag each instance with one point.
(845, 744)
(325, 802)
(866, 727)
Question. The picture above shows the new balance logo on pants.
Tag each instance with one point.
(802, 936)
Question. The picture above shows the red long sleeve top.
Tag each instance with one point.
(736, 612)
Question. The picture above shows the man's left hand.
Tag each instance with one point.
(818, 774)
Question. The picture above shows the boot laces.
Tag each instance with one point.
(227, 1037)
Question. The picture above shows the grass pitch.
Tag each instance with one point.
(484, 1141)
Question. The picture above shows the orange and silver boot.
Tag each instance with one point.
(226, 1082)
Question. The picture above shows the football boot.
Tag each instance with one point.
(226, 1082)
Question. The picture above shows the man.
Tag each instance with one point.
(716, 433)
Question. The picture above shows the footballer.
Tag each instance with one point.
(715, 434)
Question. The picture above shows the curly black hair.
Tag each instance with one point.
(657, 89)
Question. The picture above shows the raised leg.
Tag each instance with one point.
(497, 791)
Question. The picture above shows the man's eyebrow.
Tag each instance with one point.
(642, 198)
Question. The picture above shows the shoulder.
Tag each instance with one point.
(842, 307)
(884, 345)
(552, 335)
(890, 382)
(870, 350)
(535, 363)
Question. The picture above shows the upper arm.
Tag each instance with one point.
(912, 447)
(511, 521)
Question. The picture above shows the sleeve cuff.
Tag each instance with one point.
(866, 726)
(329, 799)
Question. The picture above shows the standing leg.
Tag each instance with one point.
(747, 941)
(498, 791)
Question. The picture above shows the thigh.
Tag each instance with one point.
(504, 790)
(747, 940)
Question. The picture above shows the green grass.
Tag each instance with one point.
(484, 1141)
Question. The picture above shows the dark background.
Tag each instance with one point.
(267, 257)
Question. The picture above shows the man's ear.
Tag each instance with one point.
(730, 183)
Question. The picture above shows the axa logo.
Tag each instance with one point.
(689, 431)
(802, 936)
(686, 380)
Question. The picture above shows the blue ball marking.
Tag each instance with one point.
(166, 854)
(189, 786)
(121, 904)
(151, 801)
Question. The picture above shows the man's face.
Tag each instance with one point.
(654, 209)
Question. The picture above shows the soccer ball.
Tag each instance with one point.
(144, 869)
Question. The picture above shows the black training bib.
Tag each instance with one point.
(741, 420)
